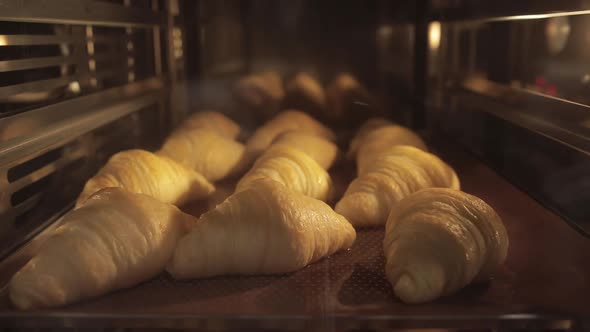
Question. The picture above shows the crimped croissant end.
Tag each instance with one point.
(361, 209)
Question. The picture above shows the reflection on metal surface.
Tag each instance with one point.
(523, 17)
(434, 34)
(552, 117)
(65, 120)
(78, 12)
(557, 31)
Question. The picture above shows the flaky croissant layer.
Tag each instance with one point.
(203, 150)
(117, 239)
(439, 240)
(393, 175)
(265, 229)
(143, 172)
(292, 168)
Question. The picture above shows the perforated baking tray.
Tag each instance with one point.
(545, 283)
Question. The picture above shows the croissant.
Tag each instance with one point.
(117, 239)
(394, 175)
(285, 121)
(265, 229)
(342, 93)
(320, 149)
(213, 156)
(292, 168)
(215, 121)
(143, 172)
(438, 241)
(367, 127)
(382, 138)
(306, 92)
(262, 92)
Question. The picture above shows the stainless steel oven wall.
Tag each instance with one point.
(511, 83)
(79, 80)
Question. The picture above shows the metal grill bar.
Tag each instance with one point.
(78, 12)
(62, 122)
(41, 85)
(45, 171)
(26, 40)
(33, 63)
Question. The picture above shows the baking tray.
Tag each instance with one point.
(545, 283)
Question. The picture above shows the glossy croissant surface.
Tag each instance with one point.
(214, 156)
(292, 168)
(117, 239)
(382, 138)
(284, 122)
(265, 229)
(323, 151)
(395, 174)
(214, 121)
(439, 240)
(143, 172)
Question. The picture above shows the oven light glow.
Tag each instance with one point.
(3, 41)
(74, 87)
(557, 31)
(90, 48)
(434, 32)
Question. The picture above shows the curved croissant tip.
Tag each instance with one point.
(360, 209)
(406, 289)
(419, 286)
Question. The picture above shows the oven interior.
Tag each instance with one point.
(499, 89)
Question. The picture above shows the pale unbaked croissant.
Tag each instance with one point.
(395, 174)
(439, 240)
(143, 172)
(265, 229)
(215, 121)
(292, 168)
(203, 150)
(366, 128)
(285, 121)
(382, 138)
(117, 239)
(320, 149)
(261, 92)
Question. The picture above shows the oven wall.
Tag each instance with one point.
(79, 81)
(510, 83)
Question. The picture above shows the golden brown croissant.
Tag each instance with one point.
(262, 92)
(393, 175)
(306, 92)
(265, 229)
(285, 121)
(439, 240)
(367, 127)
(215, 121)
(117, 239)
(143, 172)
(292, 168)
(320, 149)
(203, 150)
(383, 138)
